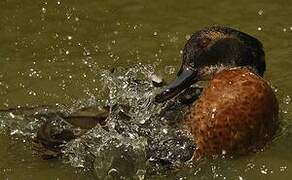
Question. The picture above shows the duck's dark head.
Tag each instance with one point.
(210, 50)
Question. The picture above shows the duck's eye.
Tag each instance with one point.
(204, 42)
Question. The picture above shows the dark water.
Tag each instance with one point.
(54, 52)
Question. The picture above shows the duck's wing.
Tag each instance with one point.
(88, 117)
(57, 127)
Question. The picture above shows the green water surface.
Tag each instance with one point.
(51, 51)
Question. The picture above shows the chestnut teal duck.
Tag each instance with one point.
(237, 111)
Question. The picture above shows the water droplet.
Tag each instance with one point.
(283, 168)
(287, 100)
(223, 152)
(260, 12)
(142, 121)
(44, 10)
(169, 70)
(12, 115)
(264, 170)
(188, 37)
(14, 132)
(173, 39)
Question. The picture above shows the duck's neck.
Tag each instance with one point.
(207, 73)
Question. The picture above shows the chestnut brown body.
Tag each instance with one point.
(236, 113)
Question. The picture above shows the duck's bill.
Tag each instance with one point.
(186, 77)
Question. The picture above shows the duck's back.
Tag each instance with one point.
(236, 113)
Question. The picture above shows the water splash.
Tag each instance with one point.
(136, 138)
(26, 121)
(139, 137)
